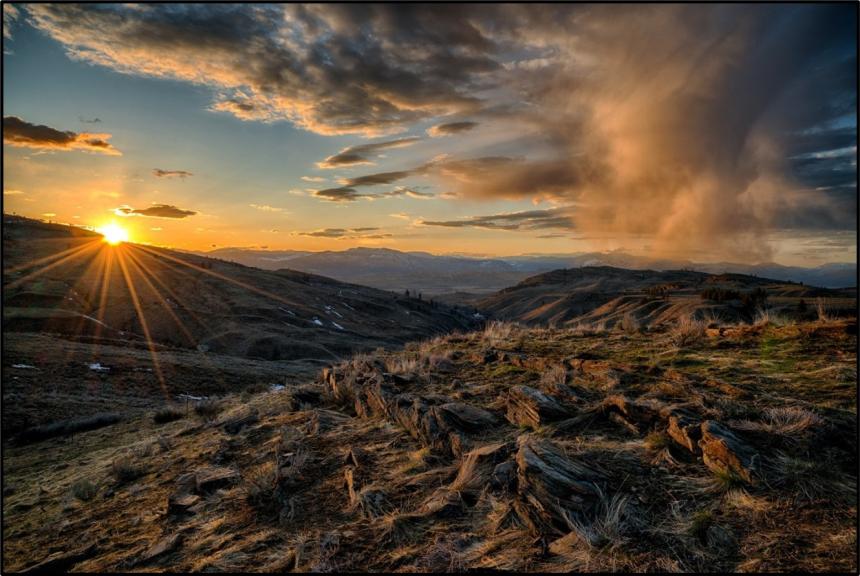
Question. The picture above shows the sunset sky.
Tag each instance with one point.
(700, 132)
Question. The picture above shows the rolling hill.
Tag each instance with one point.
(595, 294)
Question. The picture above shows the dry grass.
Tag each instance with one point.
(168, 414)
(629, 324)
(687, 331)
(207, 410)
(497, 332)
(651, 506)
(821, 310)
(555, 376)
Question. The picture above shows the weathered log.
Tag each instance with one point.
(529, 407)
(723, 451)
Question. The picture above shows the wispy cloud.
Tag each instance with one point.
(450, 128)
(155, 211)
(266, 208)
(526, 220)
(367, 233)
(361, 154)
(17, 132)
(159, 173)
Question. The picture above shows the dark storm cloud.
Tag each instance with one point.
(332, 69)
(527, 220)
(159, 173)
(686, 124)
(155, 211)
(361, 154)
(17, 132)
(451, 128)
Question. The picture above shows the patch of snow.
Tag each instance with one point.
(348, 306)
(317, 321)
(331, 310)
(97, 367)
(276, 387)
(24, 366)
(190, 397)
(336, 325)
(290, 312)
(478, 316)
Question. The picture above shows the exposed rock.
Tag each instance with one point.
(723, 451)
(163, 546)
(685, 429)
(210, 479)
(529, 407)
(639, 414)
(504, 476)
(179, 504)
(467, 417)
(552, 486)
(444, 503)
(62, 561)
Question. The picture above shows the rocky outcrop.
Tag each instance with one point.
(529, 407)
(724, 452)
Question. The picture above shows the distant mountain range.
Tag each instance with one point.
(443, 274)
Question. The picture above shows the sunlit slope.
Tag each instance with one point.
(63, 280)
(596, 294)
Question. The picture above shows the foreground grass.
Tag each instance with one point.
(379, 466)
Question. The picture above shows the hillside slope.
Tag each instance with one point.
(595, 294)
(76, 285)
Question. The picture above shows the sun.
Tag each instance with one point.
(114, 233)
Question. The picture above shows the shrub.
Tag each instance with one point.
(754, 299)
(125, 469)
(716, 294)
(630, 324)
(687, 331)
(207, 410)
(821, 310)
(167, 414)
(84, 490)
(68, 427)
